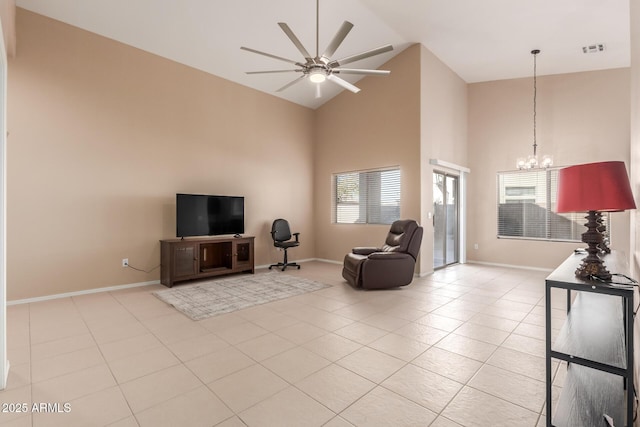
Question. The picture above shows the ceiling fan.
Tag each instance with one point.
(321, 67)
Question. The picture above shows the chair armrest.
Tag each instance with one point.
(389, 255)
(296, 235)
(364, 250)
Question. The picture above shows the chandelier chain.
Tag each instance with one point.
(531, 161)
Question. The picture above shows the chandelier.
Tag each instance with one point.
(531, 161)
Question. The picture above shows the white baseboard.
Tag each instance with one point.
(131, 285)
(258, 267)
(521, 267)
(303, 260)
(84, 292)
(328, 261)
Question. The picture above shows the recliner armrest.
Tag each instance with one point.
(389, 255)
(361, 250)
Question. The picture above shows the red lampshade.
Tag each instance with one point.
(602, 186)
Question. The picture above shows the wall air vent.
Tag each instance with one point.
(593, 48)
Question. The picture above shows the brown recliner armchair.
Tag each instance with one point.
(389, 266)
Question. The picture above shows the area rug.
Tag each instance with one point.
(220, 296)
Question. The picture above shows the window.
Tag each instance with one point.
(527, 208)
(366, 197)
(515, 194)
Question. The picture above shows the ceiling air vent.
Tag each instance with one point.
(593, 48)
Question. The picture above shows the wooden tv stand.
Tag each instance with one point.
(197, 258)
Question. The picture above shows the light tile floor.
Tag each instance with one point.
(462, 347)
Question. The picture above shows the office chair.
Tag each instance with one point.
(281, 234)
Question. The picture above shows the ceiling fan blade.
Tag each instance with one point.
(340, 82)
(288, 85)
(273, 71)
(271, 56)
(337, 40)
(359, 56)
(294, 39)
(361, 71)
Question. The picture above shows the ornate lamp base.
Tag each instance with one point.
(604, 247)
(592, 265)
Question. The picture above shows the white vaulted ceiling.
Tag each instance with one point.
(480, 40)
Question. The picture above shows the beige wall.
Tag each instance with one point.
(634, 174)
(635, 130)
(417, 113)
(378, 127)
(582, 117)
(443, 136)
(103, 135)
(8, 18)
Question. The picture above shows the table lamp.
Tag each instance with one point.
(593, 188)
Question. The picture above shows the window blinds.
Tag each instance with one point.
(527, 208)
(366, 197)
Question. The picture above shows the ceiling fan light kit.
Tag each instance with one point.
(317, 76)
(321, 67)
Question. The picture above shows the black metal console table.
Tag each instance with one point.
(597, 342)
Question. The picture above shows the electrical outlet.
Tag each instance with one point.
(476, 246)
(125, 262)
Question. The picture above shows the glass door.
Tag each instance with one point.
(445, 220)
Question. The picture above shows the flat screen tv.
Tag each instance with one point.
(203, 215)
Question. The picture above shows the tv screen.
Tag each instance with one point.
(203, 215)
